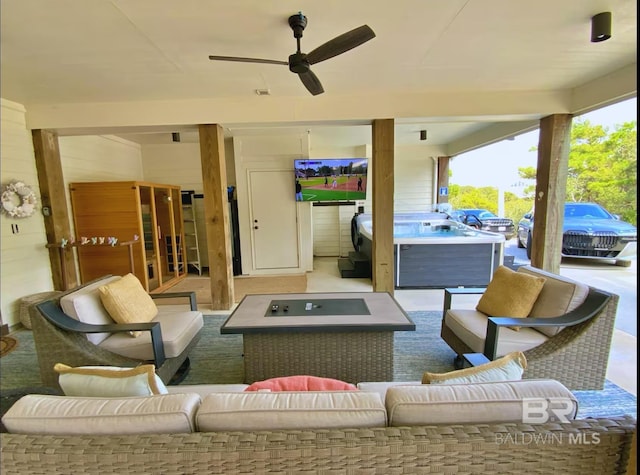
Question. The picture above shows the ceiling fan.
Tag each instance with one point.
(300, 63)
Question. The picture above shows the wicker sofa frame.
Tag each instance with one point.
(603, 446)
(61, 338)
(577, 356)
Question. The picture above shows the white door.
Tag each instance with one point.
(274, 227)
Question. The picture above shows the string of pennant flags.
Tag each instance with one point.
(92, 241)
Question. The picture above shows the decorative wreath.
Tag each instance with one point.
(18, 200)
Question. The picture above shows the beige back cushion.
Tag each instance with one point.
(559, 295)
(161, 414)
(290, 410)
(475, 403)
(86, 306)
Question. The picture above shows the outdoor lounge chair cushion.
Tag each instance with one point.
(559, 295)
(178, 326)
(471, 327)
(86, 306)
(256, 410)
(475, 403)
(57, 415)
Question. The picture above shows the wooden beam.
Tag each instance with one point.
(216, 215)
(53, 196)
(551, 191)
(382, 202)
(443, 179)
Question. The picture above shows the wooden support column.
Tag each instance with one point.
(551, 191)
(443, 179)
(216, 215)
(382, 201)
(52, 196)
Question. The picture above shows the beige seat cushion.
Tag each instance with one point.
(161, 414)
(86, 306)
(471, 327)
(559, 295)
(178, 326)
(290, 410)
(475, 403)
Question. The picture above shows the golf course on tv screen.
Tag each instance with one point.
(331, 179)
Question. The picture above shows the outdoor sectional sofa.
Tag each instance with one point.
(381, 428)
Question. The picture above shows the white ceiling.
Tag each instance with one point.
(118, 51)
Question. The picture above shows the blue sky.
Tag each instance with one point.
(497, 164)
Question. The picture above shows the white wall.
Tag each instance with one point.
(25, 268)
(25, 265)
(414, 175)
(99, 158)
(326, 231)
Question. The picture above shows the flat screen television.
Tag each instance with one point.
(331, 179)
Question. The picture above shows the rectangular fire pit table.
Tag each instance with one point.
(346, 335)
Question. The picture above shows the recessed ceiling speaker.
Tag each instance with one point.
(601, 27)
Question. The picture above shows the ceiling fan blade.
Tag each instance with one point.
(247, 60)
(341, 44)
(311, 82)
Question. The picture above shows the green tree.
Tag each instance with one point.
(602, 167)
(487, 198)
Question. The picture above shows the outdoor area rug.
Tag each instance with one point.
(217, 359)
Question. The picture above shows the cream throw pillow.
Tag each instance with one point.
(510, 294)
(128, 302)
(109, 381)
(508, 368)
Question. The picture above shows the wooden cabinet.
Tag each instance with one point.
(150, 213)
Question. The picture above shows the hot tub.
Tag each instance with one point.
(434, 252)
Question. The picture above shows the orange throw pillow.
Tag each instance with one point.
(301, 383)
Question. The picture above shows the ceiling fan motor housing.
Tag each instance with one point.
(298, 63)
